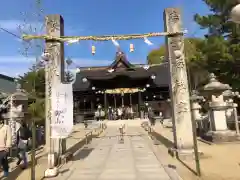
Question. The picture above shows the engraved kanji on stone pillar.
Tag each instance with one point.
(54, 71)
(179, 90)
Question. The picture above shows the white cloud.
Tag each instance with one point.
(30, 60)
(13, 71)
(12, 65)
(18, 26)
(10, 25)
(16, 60)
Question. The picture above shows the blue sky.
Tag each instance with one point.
(91, 17)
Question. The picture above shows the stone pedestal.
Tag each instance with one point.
(221, 136)
(218, 120)
(219, 131)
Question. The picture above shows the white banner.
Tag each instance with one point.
(62, 111)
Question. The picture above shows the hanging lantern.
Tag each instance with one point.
(131, 48)
(93, 50)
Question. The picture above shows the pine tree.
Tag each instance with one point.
(221, 48)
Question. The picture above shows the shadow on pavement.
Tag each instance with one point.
(188, 167)
(166, 142)
(63, 171)
(80, 144)
(82, 154)
(169, 144)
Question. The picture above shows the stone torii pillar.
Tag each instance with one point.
(178, 82)
(54, 75)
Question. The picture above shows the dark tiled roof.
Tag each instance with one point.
(134, 74)
(7, 84)
(8, 78)
(128, 74)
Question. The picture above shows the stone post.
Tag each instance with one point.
(179, 90)
(17, 110)
(54, 74)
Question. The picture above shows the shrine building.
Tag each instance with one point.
(121, 84)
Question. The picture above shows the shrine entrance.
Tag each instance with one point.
(172, 73)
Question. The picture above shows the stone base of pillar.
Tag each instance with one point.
(221, 136)
(50, 173)
(184, 153)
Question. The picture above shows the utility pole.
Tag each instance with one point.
(54, 75)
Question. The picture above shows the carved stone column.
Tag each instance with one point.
(178, 81)
(54, 73)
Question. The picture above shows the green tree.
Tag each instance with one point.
(221, 47)
(37, 110)
(33, 82)
(194, 59)
(156, 56)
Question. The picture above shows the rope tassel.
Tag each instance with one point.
(131, 47)
(93, 50)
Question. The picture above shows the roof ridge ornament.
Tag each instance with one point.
(212, 78)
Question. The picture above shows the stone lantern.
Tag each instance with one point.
(217, 111)
(195, 100)
(231, 112)
(18, 105)
(195, 107)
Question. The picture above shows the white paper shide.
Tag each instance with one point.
(62, 109)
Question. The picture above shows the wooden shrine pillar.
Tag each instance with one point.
(105, 104)
(92, 105)
(122, 97)
(139, 103)
(115, 101)
(130, 99)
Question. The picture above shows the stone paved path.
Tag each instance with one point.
(108, 159)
